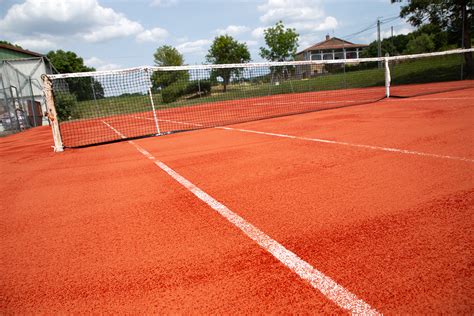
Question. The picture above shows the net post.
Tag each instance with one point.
(150, 94)
(387, 76)
(52, 114)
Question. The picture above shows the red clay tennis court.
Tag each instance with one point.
(360, 209)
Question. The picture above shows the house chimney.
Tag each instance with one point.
(328, 37)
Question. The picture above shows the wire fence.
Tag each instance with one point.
(21, 97)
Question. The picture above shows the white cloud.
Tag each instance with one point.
(291, 10)
(258, 32)
(85, 19)
(121, 27)
(100, 64)
(194, 47)
(37, 44)
(251, 43)
(182, 39)
(329, 23)
(163, 3)
(154, 35)
(306, 16)
(233, 30)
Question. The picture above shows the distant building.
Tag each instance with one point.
(21, 88)
(329, 49)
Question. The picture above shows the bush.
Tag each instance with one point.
(172, 92)
(202, 86)
(176, 90)
(66, 104)
(421, 44)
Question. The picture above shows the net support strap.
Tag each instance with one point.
(155, 118)
(150, 94)
(387, 77)
(52, 115)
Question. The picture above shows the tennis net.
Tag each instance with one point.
(89, 108)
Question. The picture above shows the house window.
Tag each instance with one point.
(351, 54)
(315, 56)
(327, 56)
(339, 55)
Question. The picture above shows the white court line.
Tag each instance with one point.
(308, 102)
(387, 149)
(318, 280)
(326, 141)
(426, 99)
(169, 121)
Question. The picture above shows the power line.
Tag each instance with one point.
(372, 26)
(390, 19)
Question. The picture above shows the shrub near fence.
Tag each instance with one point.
(176, 90)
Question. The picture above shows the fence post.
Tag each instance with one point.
(33, 108)
(51, 113)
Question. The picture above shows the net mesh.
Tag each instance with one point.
(138, 102)
(427, 74)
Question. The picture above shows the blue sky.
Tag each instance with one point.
(111, 34)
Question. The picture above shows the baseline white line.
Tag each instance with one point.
(318, 280)
(387, 149)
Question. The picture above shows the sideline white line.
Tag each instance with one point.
(426, 99)
(318, 280)
(326, 141)
(388, 149)
(169, 121)
(311, 102)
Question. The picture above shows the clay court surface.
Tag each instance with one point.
(365, 209)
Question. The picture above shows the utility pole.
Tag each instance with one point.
(379, 43)
(391, 38)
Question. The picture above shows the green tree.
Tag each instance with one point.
(420, 44)
(66, 104)
(226, 50)
(67, 62)
(387, 47)
(400, 42)
(447, 14)
(83, 88)
(282, 43)
(168, 56)
(439, 36)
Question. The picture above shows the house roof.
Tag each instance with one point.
(20, 50)
(333, 43)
